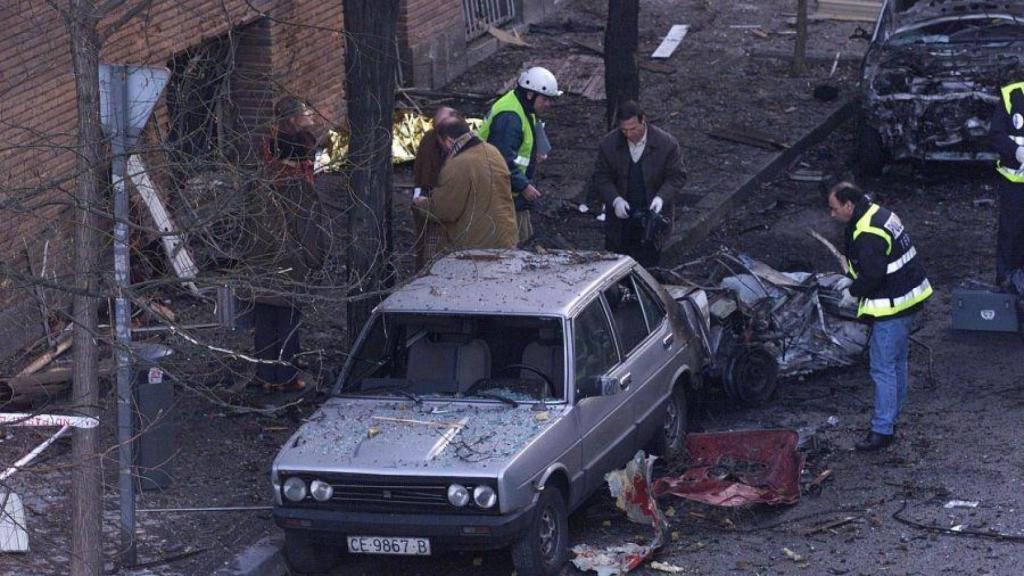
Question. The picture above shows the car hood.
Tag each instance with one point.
(369, 436)
(924, 11)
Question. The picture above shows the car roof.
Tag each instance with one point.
(512, 282)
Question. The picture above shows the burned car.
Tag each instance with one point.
(931, 78)
(482, 403)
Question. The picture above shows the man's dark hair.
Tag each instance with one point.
(847, 191)
(453, 128)
(629, 109)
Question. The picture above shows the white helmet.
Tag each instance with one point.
(540, 80)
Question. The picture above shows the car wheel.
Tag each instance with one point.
(545, 547)
(307, 554)
(669, 440)
(870, 152)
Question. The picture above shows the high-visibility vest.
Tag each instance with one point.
(510, 103)
(1007, 94)
(905, 283)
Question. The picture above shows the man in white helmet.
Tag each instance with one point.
(509, 127)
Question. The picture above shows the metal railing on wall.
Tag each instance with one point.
(480, 14)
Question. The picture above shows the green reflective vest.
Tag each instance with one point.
(905, 284)
(1007, 92)
(510, 103)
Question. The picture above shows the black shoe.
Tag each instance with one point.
(874, 441)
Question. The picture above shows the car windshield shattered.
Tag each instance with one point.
(509, 359)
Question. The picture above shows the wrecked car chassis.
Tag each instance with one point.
(944, 127)
(931, 76)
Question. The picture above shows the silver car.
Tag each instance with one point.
(482, 403)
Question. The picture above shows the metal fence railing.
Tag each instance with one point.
(483, 13)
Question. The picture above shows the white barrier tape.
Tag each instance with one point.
(35, 452)
(26, 419)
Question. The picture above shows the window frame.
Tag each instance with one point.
(573, 323)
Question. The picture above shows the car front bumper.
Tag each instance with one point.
(448, 531)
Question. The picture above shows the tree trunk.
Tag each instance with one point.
(86, 487)
(800, 48)
(370, 65)
(621, 39)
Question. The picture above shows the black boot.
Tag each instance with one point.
(874, 441)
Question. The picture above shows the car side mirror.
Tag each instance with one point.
(598, 386)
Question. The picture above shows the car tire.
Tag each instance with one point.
(544, 549)
(669, 440)
(307, 554)
(870, 152)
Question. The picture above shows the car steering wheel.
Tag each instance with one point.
(548, 383)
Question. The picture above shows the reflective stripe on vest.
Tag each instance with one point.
(864, 225)
(1007, 92)
(510, 103)
(1008, 173)
(894, 267)
(882, 307)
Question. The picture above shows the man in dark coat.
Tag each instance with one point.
(426, 172)
(639, 174)
(289, 245)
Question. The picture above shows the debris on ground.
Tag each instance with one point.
(738, 469)
(961, 504)
(632, 490)
(665, 567)
(671, 41)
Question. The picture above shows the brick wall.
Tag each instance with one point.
(432, 37)
(296, 48)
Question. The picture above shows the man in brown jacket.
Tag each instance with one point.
(472, 200)
(639, 171)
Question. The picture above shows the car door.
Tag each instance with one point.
(661, 353)
(643, 357)
(605, 422)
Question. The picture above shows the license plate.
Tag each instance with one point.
(389, 545)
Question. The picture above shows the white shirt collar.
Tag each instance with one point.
(636, 151)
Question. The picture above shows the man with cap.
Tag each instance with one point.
(510, 127)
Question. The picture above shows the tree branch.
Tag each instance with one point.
(111, 5)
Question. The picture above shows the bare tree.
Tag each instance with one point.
(370, 65)
(800, 46)
(87, 513)
(621, 39)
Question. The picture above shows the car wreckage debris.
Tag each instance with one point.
(739, 468)
(764, 324)
(724, 469)
(633, 493)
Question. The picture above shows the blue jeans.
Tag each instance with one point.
(890, 341)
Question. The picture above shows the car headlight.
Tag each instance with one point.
(321, 491)
(485, 496)
(458, 495)
(294, 489)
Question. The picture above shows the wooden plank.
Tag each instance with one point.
(671, 41)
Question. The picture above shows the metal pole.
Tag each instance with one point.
(122, 313)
